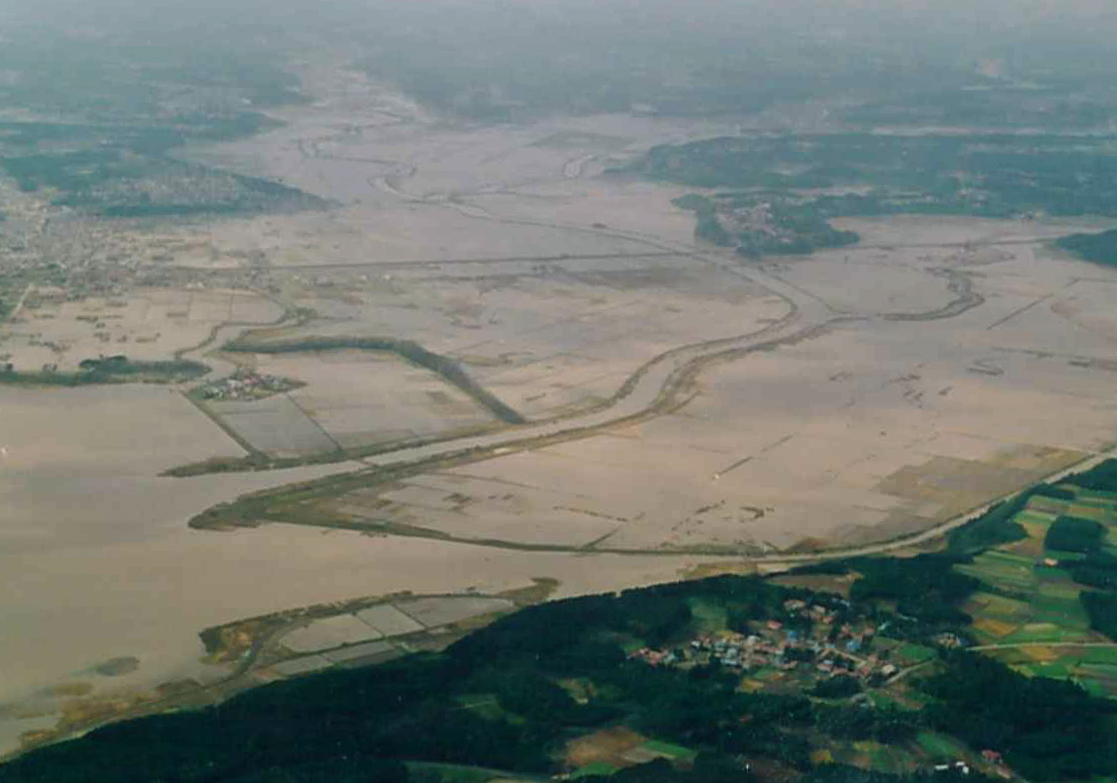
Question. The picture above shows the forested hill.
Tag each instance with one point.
(1099, 248)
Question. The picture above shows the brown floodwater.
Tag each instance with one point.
(100, 566)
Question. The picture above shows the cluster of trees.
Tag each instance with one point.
(1101, 478)
(1074, 534)
(995, 527)
(925, 588)
(114, 369)
(1047, 729)
(1097, 569)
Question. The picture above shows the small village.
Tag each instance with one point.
(246, 385)
(827, 649)
(812, 645)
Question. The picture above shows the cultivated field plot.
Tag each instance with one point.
(146, 324)
(352, 399)
(1040, 626)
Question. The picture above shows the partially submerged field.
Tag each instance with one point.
(54, 328)
(351, 399)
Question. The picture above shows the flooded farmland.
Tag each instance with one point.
(99, 565)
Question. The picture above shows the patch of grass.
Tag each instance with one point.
(484, 705)
(667, 749)
(990, 630)
(596, 768)
(1100, 656)
(1096, 512)
(1002, 570)
(1039, 504)
(1099, 495)
(939, 745)
(882, 700)
(709, 616)
(891, 760)
(1055, 669)
(450, 773)
(632, 645)
(1068, 614)
(991, 604)
(911, 654)
(1064, 555)
(1042, 632)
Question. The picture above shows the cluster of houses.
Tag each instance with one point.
(829, 648)
(247, 385)
(990, 757)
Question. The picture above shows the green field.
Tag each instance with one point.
(1003, 570)
(1040, 505)
(893, 760)
(911, 654)
(596, 768)
(939, 745)
(453, 773)
(669, 750)
(486, 706)
(709, 616)
(632, 645)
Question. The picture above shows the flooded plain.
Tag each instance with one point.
(861, 392)
(99, 565)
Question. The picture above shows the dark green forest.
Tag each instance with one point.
(1099, 248)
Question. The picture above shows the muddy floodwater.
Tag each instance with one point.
(99, 565)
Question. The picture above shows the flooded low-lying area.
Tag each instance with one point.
(100, 568)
